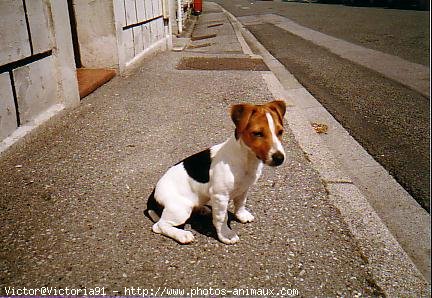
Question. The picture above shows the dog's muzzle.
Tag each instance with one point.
(277, 159)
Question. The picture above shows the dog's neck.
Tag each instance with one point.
(244, 155)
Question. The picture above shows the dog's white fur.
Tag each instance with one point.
(234, 168)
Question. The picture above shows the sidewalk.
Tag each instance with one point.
(72, 194)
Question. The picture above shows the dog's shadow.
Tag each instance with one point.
(201, 223)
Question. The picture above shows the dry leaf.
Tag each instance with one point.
(320, 127)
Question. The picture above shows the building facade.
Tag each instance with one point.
(43, 42)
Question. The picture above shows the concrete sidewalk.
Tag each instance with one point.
(72, 194)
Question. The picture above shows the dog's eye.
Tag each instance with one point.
(257, 134)
(280, 133)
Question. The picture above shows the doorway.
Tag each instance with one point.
(89, 79)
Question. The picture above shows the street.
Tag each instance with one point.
(388, 119)
(403, 33)
(74, 190)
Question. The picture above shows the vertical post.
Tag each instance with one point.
(167, 23)
(180, 16)
(172, 16)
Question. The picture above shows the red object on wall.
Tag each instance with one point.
(197, 6)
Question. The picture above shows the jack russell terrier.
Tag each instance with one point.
(219, 174)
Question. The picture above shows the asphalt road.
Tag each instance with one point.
(389, 120)
(403, 33)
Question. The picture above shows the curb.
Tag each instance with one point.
(391, 266)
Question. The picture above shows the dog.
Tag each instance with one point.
(219, 174)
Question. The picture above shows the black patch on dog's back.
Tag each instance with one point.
(198, 166)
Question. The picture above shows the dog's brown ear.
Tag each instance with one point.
(279, 107)
(240, 115)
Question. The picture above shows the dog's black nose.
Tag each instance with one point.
(277, 158)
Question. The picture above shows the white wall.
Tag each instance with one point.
(13, 32)
(117, 33)
(140, 29)
(37, 65)
(96, 33)
(8, 121)
(31, 62)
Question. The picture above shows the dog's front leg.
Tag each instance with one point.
(240, 211)
(220, 219)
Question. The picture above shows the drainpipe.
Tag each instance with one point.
(166, 12)
(180, 16)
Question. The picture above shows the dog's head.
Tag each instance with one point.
(260, 128)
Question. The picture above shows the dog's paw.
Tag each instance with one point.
(244, 216)
(156, 228)
(231, 240)
(228, 236)
(185, 237)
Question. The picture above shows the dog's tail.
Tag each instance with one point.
(154, 208)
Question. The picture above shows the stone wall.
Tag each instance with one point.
(37, 59)
(31, 62)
